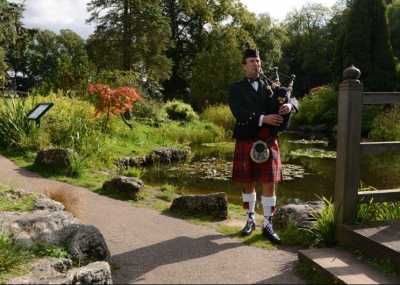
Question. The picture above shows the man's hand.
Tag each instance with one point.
(285, 109)
(273, 120)
(275, 84)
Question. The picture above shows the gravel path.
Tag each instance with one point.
(148, 247)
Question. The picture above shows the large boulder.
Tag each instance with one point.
(38, 227)
(58, 160)
(123, 184)
(213, 205)
(302, 215)
(87, 244)
(60, 271)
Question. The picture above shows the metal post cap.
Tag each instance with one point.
(351, 73)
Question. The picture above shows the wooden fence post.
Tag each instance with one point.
(348, 146)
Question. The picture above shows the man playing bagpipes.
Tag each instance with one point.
(261, 111)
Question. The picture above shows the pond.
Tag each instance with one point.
(309, 171)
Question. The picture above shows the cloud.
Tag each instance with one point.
(58, 14)
(72, 14)
(278, 9)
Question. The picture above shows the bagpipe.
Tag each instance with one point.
(260, 151)
(281, 95)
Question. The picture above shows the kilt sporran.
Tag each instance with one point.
(260, 152)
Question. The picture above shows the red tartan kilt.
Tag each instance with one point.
(246, 171)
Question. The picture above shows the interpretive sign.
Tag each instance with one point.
(39, 111)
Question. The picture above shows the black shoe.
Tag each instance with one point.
(249, 227)
(269, 233)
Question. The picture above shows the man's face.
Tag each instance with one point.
(252, 67)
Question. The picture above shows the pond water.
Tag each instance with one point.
(309, 171)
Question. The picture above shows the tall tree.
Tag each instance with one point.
(190, 22)
(136, 30)
(393, 12)
(308, 51)
(367, 45)
(269, 38)
(217, 66)
(58, 61)
(10, 22)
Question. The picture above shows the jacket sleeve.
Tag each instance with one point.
(240, 109)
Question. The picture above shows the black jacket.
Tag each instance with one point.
(247, 106)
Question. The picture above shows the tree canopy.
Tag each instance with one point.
(367, 45)
(191, 49)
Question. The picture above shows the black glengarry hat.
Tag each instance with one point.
(249, 52)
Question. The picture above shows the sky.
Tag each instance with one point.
(72, 14)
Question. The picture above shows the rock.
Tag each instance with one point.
(129, 185)
(45, 271)
(37, 227)
(94, 273)
(137, 161)
(214, 205)
(54, 271)
(54, 159)
(162, 155)
(44, 203)
(52, 265)
(41, 202)
(87, 244)
(300, 214)
(166, 155)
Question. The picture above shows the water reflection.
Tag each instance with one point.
(319, 179)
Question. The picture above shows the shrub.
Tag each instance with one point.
(319, 107)
(385, 126)
(220, 115)
(146, 109)
(15, 129)
(321, 233)
(112, 101)
(71, 124)
(324, 229)
(195, 133)
(179, 111)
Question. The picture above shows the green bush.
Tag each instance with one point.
(145, 109)
(220, 115)
(71, 123)
(385, 126)
(377, 212)
(15, 129)
(195, 133)
(324, 229)
(319, 107)
(179, 111)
